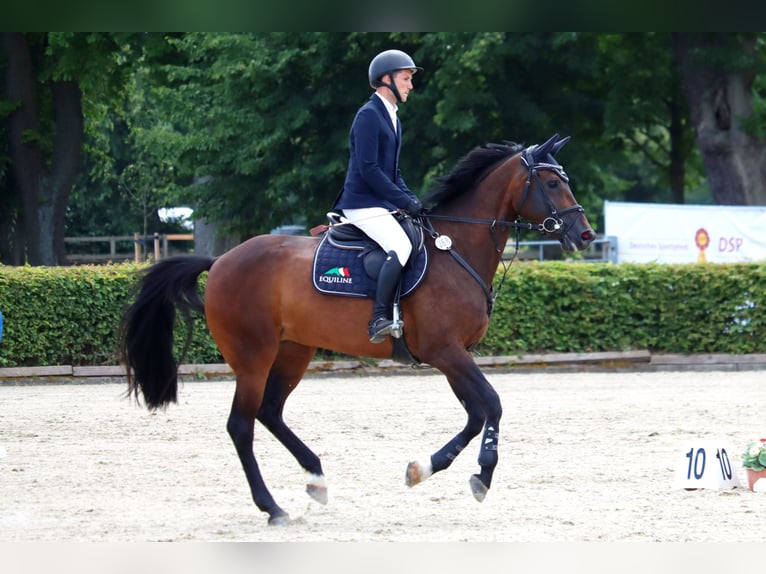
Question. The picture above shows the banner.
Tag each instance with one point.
(671, 233)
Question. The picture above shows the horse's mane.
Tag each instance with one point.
(469, 171)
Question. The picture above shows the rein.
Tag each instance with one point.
(444, 243)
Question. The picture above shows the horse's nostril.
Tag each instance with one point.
(588, 235)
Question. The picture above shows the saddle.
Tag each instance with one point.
(347, 261)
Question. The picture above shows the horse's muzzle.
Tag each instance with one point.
(572, 241)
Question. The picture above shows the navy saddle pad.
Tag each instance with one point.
(351, 269)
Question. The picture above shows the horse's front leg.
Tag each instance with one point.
(481, 482)
(482, 404)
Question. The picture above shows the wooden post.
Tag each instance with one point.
(156, 246)
(137, 247)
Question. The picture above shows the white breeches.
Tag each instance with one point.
(382, 228)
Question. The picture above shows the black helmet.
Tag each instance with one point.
(387, 62)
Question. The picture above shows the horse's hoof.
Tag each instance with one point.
(416, 473)
(478, 488)
(281, 519)
(317, 492)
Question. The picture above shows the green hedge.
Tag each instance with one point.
(70, 315)
(585, 307)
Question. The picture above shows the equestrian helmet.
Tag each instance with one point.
(387, 62)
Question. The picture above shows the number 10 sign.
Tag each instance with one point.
(705, 465)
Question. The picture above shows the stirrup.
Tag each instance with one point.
(379, 329)
(397, 325)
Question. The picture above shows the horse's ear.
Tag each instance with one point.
(559, 144)
(543, 150)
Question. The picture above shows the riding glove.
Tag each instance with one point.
(414, 207)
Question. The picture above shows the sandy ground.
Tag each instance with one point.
(583, 457)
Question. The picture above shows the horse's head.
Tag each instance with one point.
(547, 199)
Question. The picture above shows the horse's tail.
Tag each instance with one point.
(146, 329)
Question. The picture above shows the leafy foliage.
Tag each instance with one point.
(255, 126)
(256, 117)
(251, 129)
(754, 455)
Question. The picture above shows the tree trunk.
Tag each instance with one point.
(26, 158)
(207, 237)
(720, 98)
(11, 232)
(209, 241)
(678, 147)
(44, 184)
(67, 149)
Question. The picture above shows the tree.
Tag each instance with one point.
(122, 184)
(719, 71)
(646, 115)
(53, 82)
(43, 175)
(11, 234)
(483, 87)
(262, 119)
(251, 129)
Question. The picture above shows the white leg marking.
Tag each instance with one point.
(417, 473)
(316, 487)
(317, 480)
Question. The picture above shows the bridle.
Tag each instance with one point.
(552, 225)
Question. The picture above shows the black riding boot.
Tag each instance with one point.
(388, 281)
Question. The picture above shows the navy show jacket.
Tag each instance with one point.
(373, 178)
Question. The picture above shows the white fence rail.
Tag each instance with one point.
(603, 249)
(125, 247)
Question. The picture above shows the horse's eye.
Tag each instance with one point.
(553, 183)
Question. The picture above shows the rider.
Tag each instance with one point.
(374, 186)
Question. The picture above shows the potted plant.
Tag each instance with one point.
(754, 461)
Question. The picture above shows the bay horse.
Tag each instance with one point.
(268, 321)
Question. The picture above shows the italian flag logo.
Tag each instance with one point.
(339, 271)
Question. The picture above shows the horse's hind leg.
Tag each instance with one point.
(241, 425)
(285, 375)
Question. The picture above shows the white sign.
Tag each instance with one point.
(671, 233)
(705, 465)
